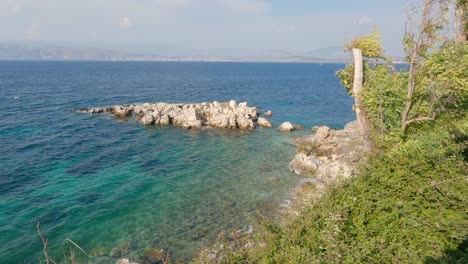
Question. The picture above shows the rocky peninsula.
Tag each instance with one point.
(325, 158)
(229, 115)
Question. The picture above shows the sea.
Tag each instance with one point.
(104, 183)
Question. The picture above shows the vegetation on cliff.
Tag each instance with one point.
(409, 203)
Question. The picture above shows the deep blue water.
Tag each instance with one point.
(103, 182)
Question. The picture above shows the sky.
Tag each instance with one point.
(202, 27)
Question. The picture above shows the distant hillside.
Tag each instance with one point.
(10, 51)
(33, 52)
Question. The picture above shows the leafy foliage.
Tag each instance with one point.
(368, 44)
(409, 205)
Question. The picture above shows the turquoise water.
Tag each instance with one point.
(104, 182)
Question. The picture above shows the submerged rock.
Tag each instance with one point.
(298, 127)
(155, 256)
(115, 253)
(126, 261)
(286, 127)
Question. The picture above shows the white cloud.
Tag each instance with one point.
(33, 31)
(125, 22)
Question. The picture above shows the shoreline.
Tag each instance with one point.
(324, 158)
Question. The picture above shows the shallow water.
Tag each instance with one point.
(104, 182)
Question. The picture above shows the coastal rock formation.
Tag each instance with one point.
(303, 164)
(286, 127)
(187, 116)
(267, 113)
(263, 122)
(328, 155)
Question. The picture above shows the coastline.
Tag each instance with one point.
(324, 159)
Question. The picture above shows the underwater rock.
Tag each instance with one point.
(298, 127)
(155, 256)
(126, 261)
(115, 253)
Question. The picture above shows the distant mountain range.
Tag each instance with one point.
(12, 51)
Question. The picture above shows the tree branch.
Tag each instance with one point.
(44, 242)
(418, 119)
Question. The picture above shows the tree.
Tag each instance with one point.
(367, 46)
(461, 22)
(433, 18)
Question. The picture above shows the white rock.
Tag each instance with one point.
(321, 134)
(286, 127)
(303, 164)
(244, 123)
(263, 122)
(232, 104)
(147, 119)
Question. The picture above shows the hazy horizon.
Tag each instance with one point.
(230, 28)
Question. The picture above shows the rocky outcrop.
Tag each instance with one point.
(267, 113)
(188, 116)
(327, 156)
(285, 127)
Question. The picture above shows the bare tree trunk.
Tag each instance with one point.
(409, 95)
(460, 24)
(357, 86)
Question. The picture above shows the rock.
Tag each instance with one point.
(155, 256)
(126, 261)
(285, 127)
(187, 119)
(315, 128)
(322, 133)
(187, 116)
(263, 122)
(267, 113)
(99, 252)
(115, 252)
(298, 127)
(164, 120)
(120, 111)
(303, 164)
(147, 119)
(244, 123)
